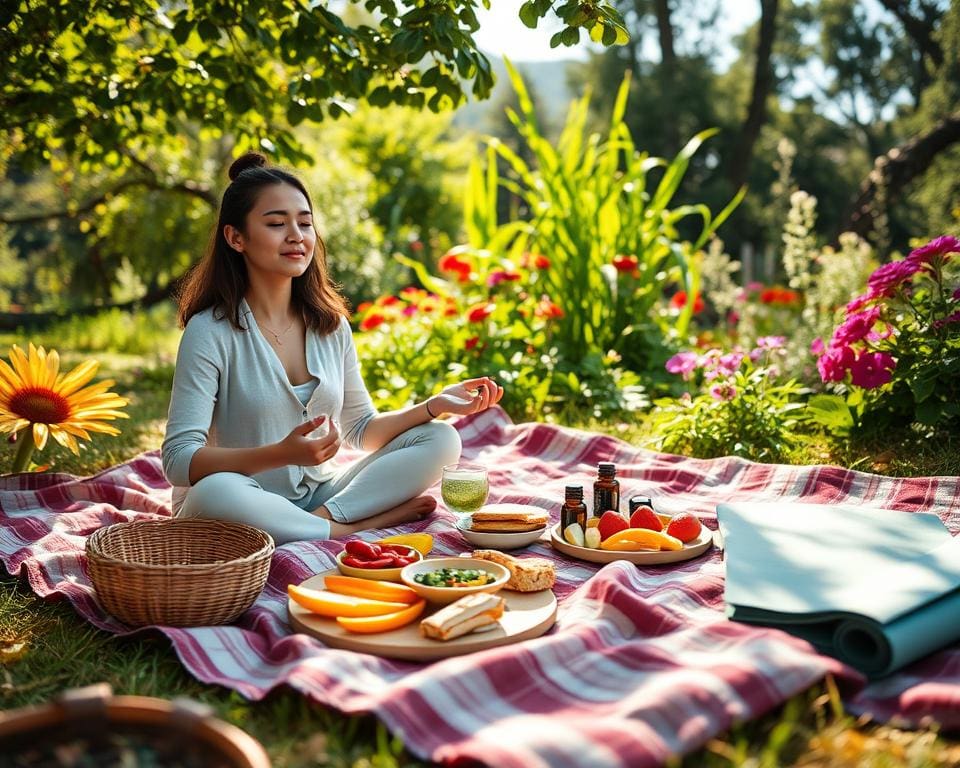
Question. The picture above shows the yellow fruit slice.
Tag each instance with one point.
(573, 534)
(370, 589)
(633, 539)
(333, 605)
(593, 522)
(372, 624)
(422, 542)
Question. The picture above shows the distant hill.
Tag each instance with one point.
(547, 79)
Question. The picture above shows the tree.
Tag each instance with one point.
(762, 88)
(91, 84)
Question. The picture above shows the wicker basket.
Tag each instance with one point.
(94, 728)
(178, 573)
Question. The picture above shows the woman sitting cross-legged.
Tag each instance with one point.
(266, 346)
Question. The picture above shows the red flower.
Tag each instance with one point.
(536, 260)
(499, 276)
(364, 306)
(471, 342)
(782, 296)
(373, 320)
(387, 301)
(451, 263)
(625, 263)
(480, 312)
(548, 309)
(416, 246)
(679, 301)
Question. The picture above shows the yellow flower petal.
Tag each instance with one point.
(71, 382)
(40, 436)
(66, 440)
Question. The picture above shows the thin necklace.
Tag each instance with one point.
(274, 333)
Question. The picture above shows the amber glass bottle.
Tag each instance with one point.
(606, 489)
(573, 509)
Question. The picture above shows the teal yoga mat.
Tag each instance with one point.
(873, 587)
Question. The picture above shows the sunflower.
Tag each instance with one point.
(37, 401)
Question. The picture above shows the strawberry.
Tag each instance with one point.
(644, 517)
(610, 523)
(685, 527)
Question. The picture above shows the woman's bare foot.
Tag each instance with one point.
(412, 509)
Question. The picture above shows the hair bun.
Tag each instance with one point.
(248, 160)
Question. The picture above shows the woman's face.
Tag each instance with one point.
(278, 238)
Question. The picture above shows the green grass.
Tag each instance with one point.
(45, 648)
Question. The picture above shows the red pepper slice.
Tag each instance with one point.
(363, 549)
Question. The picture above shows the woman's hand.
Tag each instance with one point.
(470, 396)
(300, 450)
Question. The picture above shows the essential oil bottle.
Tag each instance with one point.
(606, 489)
(573, 509)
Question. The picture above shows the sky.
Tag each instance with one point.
(502, 33)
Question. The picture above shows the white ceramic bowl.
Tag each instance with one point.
(444, 595)
(377, 574)
(488, 540)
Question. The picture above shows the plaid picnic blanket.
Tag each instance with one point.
(641, 665)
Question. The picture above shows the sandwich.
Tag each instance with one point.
(527, 574)
(520, 521)
(467, 614)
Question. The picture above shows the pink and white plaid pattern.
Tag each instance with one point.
(641, 665)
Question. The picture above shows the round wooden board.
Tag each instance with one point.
(694, 549)
(527, 615)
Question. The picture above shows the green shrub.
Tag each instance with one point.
(737, 407)
(151, 331)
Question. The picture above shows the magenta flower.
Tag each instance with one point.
(935, 249)
(771, 342)
(835, 362)
(856, 327)
(683, 363)
(889, 277)
(816, 347)
(956, 294)
(723, 391)
(948, 320)
(872, 369)
(729, 363)
(860, 302)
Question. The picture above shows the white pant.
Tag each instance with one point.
(403, 468)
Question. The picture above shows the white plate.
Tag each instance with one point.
(492, 540)
(692, 549)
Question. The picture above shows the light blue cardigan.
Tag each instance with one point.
(230, 390)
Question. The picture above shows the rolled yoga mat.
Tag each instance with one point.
(874, 588)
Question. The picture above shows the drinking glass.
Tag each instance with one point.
(464, 487)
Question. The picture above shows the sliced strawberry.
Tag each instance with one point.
(685, 527)
(611, 523)
(644, 517)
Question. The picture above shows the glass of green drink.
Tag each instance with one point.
(464, 487)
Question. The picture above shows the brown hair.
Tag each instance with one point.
(220, 279)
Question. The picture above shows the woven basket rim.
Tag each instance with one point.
(92, 546)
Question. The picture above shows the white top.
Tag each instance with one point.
(304, 391)
(230, 390)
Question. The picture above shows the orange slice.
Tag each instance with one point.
(373, 624)
(634, 539)
(333, 605)
(370, 588)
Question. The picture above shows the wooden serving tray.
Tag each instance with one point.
(527, 615)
